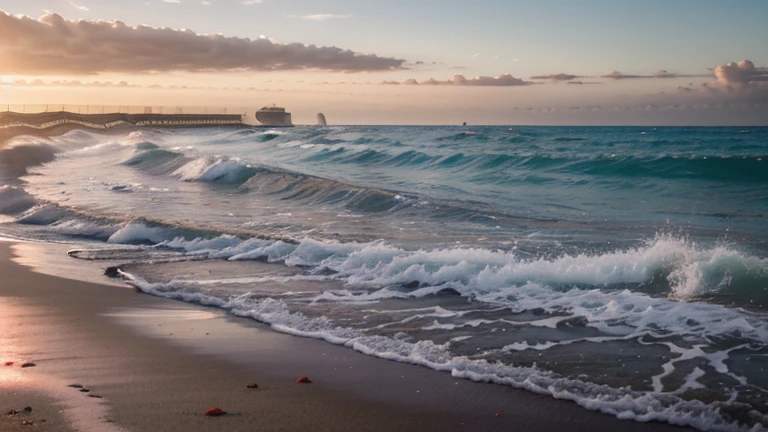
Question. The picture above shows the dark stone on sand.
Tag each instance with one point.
(27, 423)
(95, 396)
(77, 386)
(112, 271)
(30, 364)
(12, 412)
(28, 409)
(84, 390)
(253, 386)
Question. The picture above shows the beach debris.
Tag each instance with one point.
(253, 386)
(9, 363)
(28, 409)
(12, 412)
(30, 364)
(498, 414)
(27, 423)
(84, 390)
(214, 412)
(77, 386)
(113, 271)
(304, 380)
(95, 396)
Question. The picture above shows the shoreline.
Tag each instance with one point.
(159, 364)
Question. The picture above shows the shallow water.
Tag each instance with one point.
(623, 268)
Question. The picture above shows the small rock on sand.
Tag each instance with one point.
(214, 412)
(30, 364)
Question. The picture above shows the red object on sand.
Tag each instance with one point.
(304, 380)
(498, 414)
(215, 412)
(9, 363)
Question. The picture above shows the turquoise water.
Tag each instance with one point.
(623, 268)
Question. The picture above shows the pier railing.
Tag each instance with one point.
(122, 109)
(48, 116)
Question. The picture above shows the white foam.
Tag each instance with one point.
(211, 169)
(76, 227)
(139, 233)
(505, 279)
(623, 403)
(42, 214)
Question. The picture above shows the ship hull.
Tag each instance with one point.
(274, 119)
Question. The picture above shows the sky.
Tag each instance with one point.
(652, 62)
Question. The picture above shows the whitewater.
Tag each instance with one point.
(622, 268)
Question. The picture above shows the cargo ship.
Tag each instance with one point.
(273, 116)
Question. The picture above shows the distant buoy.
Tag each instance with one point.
(464, 124)
(321, 120)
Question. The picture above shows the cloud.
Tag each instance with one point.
(325, 17)
(556, 77)
(73, 83)
(616, 75)
(82, 8)
(250, 2)
(54, 45)
(505, 80)
(741, 73)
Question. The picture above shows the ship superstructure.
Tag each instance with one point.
(274, 116)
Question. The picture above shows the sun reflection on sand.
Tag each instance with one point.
(9, 349)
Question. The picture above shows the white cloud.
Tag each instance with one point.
(325, 17)
(82, 8)
(54, 45)
(743, 72)
(505, 80)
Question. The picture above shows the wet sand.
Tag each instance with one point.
(159, 364)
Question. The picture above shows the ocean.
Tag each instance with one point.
(622, 268)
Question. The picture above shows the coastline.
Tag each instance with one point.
(159, 364)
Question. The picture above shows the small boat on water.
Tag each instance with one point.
(274, 116)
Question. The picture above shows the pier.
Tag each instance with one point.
(46, 120)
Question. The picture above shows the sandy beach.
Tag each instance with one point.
(159, 365)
